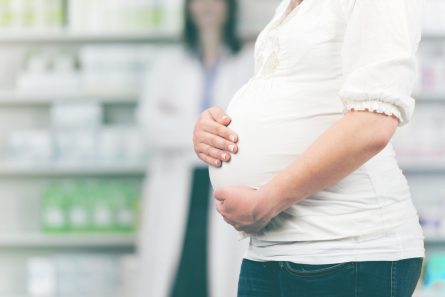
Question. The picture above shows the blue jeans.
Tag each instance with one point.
(348, 279)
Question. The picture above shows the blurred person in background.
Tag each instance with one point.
(185, 247)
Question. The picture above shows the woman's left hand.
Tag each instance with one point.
(243, 207)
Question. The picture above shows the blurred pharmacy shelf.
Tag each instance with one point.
(430, 98)
(68, 38)
(434, 241)
(84, 51)
(93, 240)
(138, 169)
(420, 166)
(421, 148)
(432, 36)
(423, 166)
(16, 98)
(54, 170)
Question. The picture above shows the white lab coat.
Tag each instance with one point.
(168, 111)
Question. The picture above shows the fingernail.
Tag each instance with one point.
(231, 148)
(233, 138)
(217, 163)
(224, 156)
(225, 118)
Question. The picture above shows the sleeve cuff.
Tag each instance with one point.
(374, 106)
(400, 105)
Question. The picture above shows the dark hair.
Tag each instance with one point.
(230, 34)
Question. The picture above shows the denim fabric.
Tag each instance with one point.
(348, 279)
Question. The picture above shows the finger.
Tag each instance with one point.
(219, 207)
(218, 114)
(219, 194)
(217, 142)
(211, 126)
(209, 160)
(213, 152)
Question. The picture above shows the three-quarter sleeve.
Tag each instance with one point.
(379, 56)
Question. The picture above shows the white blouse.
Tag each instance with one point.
(312, 66)
(406, 241)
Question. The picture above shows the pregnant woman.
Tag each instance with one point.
(302, 160)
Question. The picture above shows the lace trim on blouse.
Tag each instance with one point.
(267, 53)
(268, 47)
(375, 106)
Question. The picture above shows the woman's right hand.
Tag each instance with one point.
(213, 141)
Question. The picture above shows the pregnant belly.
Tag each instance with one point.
(275, 126)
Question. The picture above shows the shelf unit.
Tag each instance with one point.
(20, 98)
(416, 167)
(435, 240)
(138, 169)
(422, 166)
(433, 36)
(429, 98)
(69, 38)
(31, 243)
(66, 170)
(53, 241)
(15, 98)
(62, 37)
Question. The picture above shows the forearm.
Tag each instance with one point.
(340, 150)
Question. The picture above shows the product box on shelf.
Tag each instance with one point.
(435, 274)
(90, 206)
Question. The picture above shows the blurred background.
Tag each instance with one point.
(72, 155)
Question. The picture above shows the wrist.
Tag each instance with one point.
(269, 201)
(280, 196)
